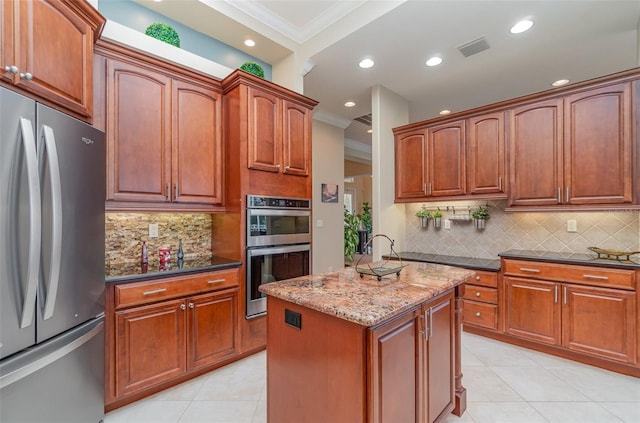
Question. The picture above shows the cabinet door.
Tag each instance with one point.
(447, 159)
(296, 139)
(196, 144)
(597, 146)
(6, 39)
(599, 321)
(150, 345)
(411, 161)
(264, 131)
(440, 359)
(55, 47)
(395, 370)
(485, 154)
(212, 324)
(532, 310)
(138, 133)
(536, 154)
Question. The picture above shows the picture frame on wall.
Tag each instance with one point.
(329, 193)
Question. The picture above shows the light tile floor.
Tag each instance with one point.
(504, 384)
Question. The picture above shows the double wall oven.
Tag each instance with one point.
(278, 244)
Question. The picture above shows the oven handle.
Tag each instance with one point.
(261, 251)
(271, 212)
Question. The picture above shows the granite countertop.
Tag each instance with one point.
(367, 301)
(466, 262)
(575, 258)
(121, 272)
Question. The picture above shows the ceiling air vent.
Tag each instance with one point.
(473, 47)
(366, 119)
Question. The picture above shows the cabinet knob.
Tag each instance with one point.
(26, 76)
(477, 278)
(182, 307)
(11, 69)
(287, 167)
(478, 314)
(477, 294)
(191, 305)
(277, 166)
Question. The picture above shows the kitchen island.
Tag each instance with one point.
(342, 347)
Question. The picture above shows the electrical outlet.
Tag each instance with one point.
(153, 230)
(447, 224)
(319, 223)
(572, 226)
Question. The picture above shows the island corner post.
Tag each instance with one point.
(341, 348)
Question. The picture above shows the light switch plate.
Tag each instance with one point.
(572, 226)
(319, 223)
(153, 230)
(447, 224)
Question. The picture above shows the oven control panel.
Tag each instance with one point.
(257, 201)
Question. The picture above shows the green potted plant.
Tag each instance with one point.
(351, 224)
(163, 32)
(424, 216)
(253, 68)
(480, 216)
(437, 219)
(367, 222)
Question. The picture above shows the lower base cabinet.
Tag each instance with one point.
(163, 330)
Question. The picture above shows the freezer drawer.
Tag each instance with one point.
(61, 380)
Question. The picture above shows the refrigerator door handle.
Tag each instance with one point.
(50, 152)
(35, 218)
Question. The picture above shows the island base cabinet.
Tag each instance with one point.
(330, 370)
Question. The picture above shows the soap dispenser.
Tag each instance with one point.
(144, 255)
(180, 254)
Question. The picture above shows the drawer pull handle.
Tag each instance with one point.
(216, 281)
(596, 277)
(155, 291)
(478, 314)
(527, 269)
(477, 294)
(477, 278)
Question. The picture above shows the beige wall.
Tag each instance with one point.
(328, 159)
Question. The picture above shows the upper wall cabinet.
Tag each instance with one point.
(575, 150)
(164, 138)
(486, 159)
(46, 49)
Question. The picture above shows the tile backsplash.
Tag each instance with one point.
(124, 233)
(618, 230)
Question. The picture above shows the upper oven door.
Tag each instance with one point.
(277, 227)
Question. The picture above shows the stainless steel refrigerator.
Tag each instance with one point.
(52, 191)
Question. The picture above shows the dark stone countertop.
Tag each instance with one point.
(572, 258)
(492, 265)
(130, 272)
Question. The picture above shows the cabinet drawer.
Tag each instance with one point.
(480, 314)
(483, 278)
(585, 275)
(137, 293)
(481, 293)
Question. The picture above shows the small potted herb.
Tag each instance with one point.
(480, 216)
(437, 219)
(424, 216)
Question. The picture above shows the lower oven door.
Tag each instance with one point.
(270, 264)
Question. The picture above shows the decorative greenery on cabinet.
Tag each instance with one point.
(163, 32)
(253, 68)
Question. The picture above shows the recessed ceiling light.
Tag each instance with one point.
(366, 63)
(434, 61)
(445, 112)
(349, 104)
(560, 82)
(249, 43)
(521, 26)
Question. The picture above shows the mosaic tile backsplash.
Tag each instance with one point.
(126, 231)
(618, 230)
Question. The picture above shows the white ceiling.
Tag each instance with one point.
(575, 39)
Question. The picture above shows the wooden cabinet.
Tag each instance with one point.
(46, 49)
(584, 309)
(164, 138)
(164, 330)
(430, 162)
(279, 134)
(575, 150)
(481, 301)
(486, 158)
